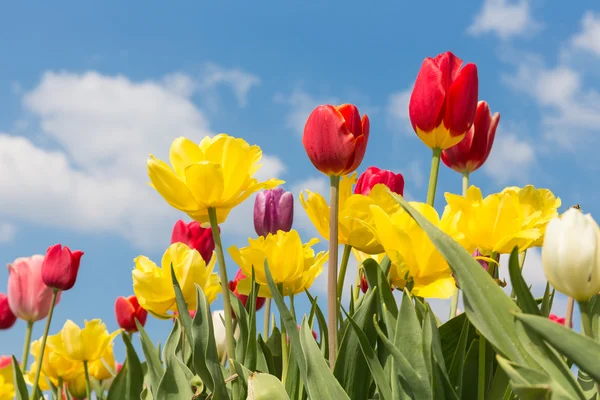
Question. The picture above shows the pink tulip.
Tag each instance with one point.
(28, 297)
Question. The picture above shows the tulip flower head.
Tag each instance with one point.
(60, 267)
(220, 333)
(7, 388)
(55, 365)
(292, 264)
(273, 211)
(260, 301)
(7, 318)
(28, 296)
(217, 173)
(105, 367)
(335, 138)
(471, 152)
(571, 255)
(127, 310)
(153, 285)
(89, 343)
(373, 176)
(364, 285)
(558, 320)
(76, 387)
(195, 237)
(443, 101)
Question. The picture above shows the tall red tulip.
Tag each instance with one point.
(335, 138)
(373, 175)
(471, 152)
(444, 99)
(60, 267)
(195, 237)
(127, 310)
(7, 318)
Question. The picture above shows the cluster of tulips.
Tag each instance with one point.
(502, 345)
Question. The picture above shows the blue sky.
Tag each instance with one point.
(88, 91)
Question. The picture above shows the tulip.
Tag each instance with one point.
(55, 365)
(443, 101)
(105, 367)
(364, 285)
(77, 387)
(260, 301)
(89, 343)
(60, 267)
(7, 318)
(373, 176)
(471, 152)
(28, 297)
(195, 237)
(571, 255)
(220, 334)
(557, 319)
(335, 138)
(127, 311)
(7, 388)
(273, 211)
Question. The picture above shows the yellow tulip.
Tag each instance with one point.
(87, 344)
(412, 254)
(76, 387)
(153, 285)
(105, 367)
(217, 173)
(7, 388)
(292, 264)
(43, 383)
(355, 219)
(56, 365)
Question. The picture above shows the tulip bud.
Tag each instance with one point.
(195, 237)
(60, 267)
(571, 255)
(220, 333)
(443, 102)
(7, 318)
(260, 301)
(262, 386)
(127, 310)
(335, 138)
(364, 285)
(471, 152)
(273, 211)
(373, 175)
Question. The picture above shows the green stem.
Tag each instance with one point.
(88, 387)
(212, 214)
(433, 176)
(26, 345)
(292, 307)
(267, 318)
(284, 348)
(522, 256)
(356, 292)
(182, 338)
(569, 314)
(456, 294)
(59, 388)
(465, 183)
(332, 306)
(586, 320)
(481, 373)
(342, 277)
(38, 369)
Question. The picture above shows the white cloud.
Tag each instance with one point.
(240, 81)
(510, 158)
(301, 105)
(102, 129)
(589, 37)
(7, 232)
(397, 111)
(505, 18)
(413, 174)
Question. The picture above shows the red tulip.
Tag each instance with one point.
(195, 237)
(127, 310)
(557, 319)
(364, 285)
(60, 267)
(260, 301)
(335, 138)
(373, 175)
(7, 318)
(470, 154)
(444, 99)
(5, 361)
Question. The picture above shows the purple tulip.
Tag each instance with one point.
(273, 211)
(483, 263)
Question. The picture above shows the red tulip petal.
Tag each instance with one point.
(427, 98)
(461, 101)
(352, 118)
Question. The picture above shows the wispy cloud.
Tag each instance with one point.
(505, 18)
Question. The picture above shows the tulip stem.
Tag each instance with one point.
(332, 305)
(38, 369)
(212, 215)
(586, 321)
(88, 388)
(26, 345)
(267, 318)
(342, 274)
(456, 294)
(59, 388)
(284, 346)
(481, 378)
(433, 176)
(465, 183)
(569, 315)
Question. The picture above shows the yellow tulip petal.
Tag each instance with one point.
(436, 287)
(72, 342)
(183, 153)
(170, 186)
(205, 182)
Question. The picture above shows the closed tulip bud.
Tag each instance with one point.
(273, 211)
(60, 267)
(364, 285)
(571, 255)
(127, 310)
(7, 318)
(373, 176)
(220, 333)
(262, 386)
(471, 152)
(28, 296)
(195, 237)
(335, 138)
(260, 301)
(443, 101)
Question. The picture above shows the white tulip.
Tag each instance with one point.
(220, 333)
(571, 255)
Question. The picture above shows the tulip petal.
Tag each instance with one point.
(427, 98)
(461, 101)
(183, 153)
(170, 186)
(435, 287)
(205, 181)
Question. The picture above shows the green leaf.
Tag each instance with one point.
(324, 336)
(243, 374)
(251, 356)
(129, 382)
(500, 385)
(152, 356)
(529, 383)
(545, 309)
(274, 345)
(587, 385)
(458, 360)
(175, 382)
(375, 367)
(316, 375)
(525, 299)
(377, 278)
(146, 394)
(265, 353)
(265, 387)
(242, 321)
(21, 392)
(594, 307)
